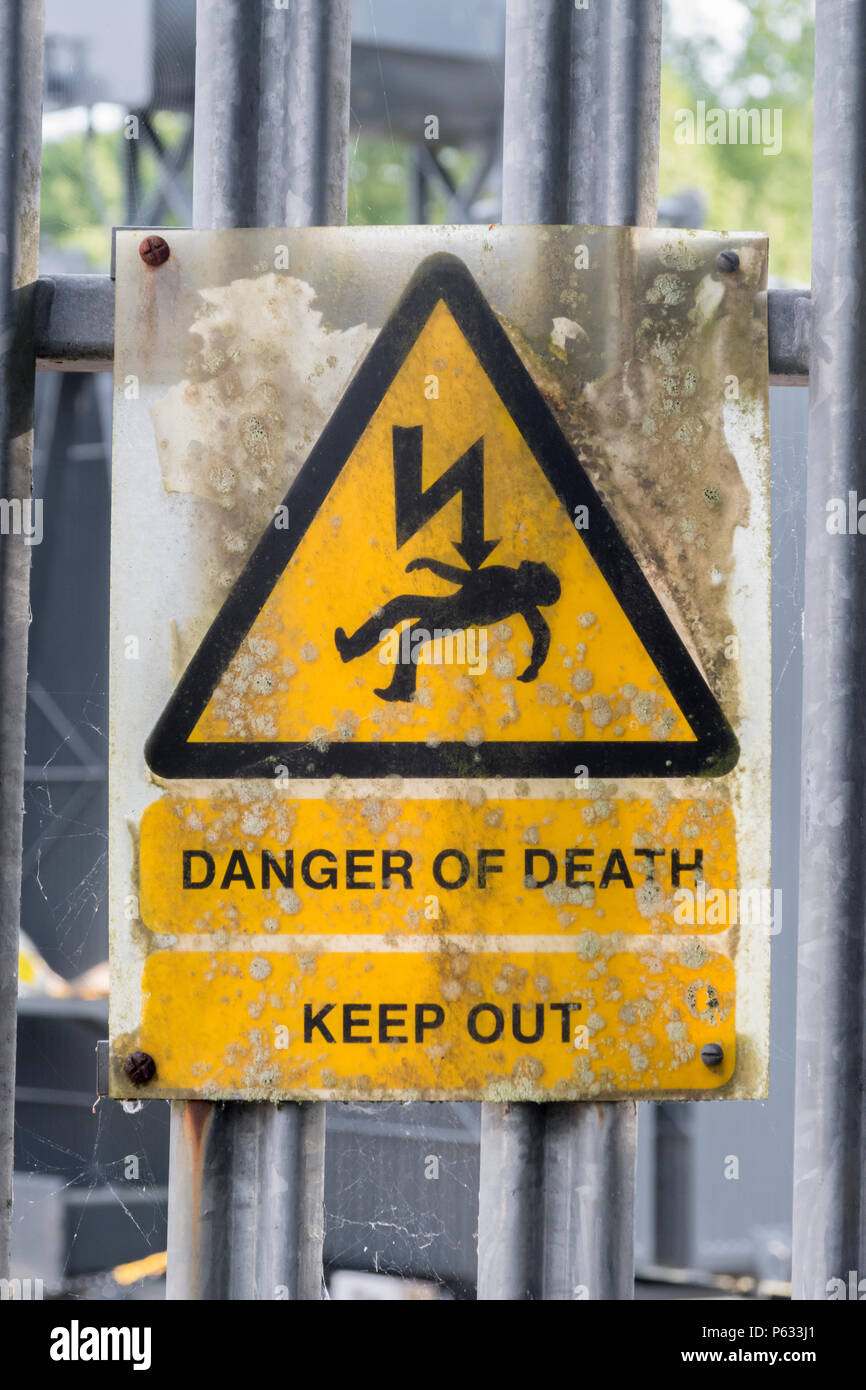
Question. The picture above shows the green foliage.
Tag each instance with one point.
(83, 188)
(378, 175)
(745, 189)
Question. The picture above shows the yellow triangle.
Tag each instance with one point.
(287, 682)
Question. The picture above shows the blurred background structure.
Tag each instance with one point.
(714, 1180)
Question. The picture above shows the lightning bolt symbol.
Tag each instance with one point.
(414, 506)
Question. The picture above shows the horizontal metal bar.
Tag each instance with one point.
(51, 773)
(48, 1006)
(54, 1095)
(75, 328)
(75, 323)
(789, 320)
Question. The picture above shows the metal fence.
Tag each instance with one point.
(580, 144)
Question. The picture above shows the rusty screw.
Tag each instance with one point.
(711, 1055)
(140, 1068)
(728, 260)
(154, 250)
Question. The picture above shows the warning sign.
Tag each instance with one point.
(441, 540)
(525, 866)
(443, 776)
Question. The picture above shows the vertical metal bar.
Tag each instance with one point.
(581, 132)
(21, 44)
(509, 1225)
(580, 144)
(673, 1184)
(557, 1186)
(272, 109)
(830, 1123)
(271, 149)
(589, 1192)
(245, 1201)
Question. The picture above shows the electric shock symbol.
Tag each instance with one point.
(483, 596)
(414, 507)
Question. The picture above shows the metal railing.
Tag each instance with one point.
(830, 1116)
(21, 51)
(580, 145)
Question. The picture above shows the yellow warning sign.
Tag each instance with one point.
(537, 1025)
(446, 805)
(379, 866)
(383, 946)
(408, 658)
(442, 549)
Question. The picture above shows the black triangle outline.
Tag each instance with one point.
(443, 276)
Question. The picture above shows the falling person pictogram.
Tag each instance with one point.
(484, 596)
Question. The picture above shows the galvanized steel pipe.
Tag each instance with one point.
(830, 1123)
(556, 1209)
(271, 149)
(581, 133)
(21, 44)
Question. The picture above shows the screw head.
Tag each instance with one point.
(712, 1055)
(140, 1068)
(154, 250)
(728, 261)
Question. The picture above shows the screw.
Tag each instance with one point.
(728, 260)
(140, 1068)
(711, 1055)
(154, 250)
